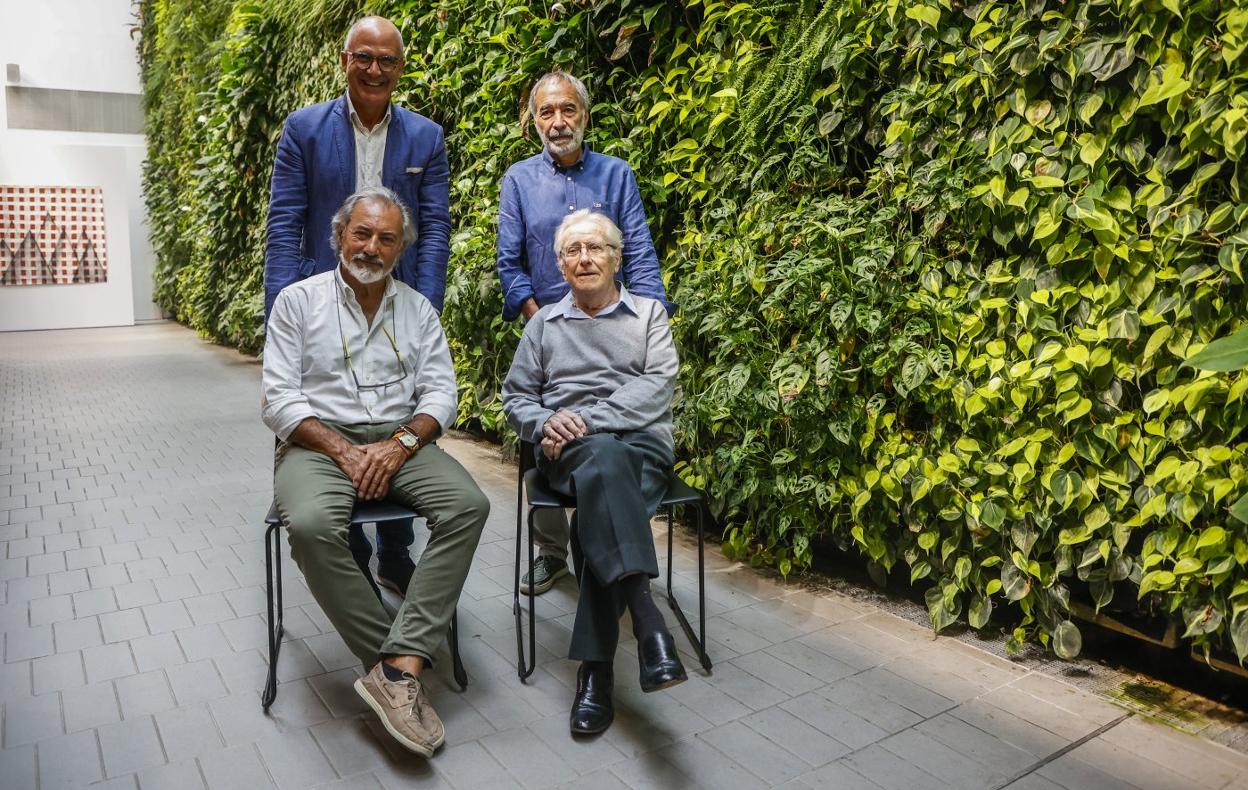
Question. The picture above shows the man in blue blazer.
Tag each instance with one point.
(329, 151)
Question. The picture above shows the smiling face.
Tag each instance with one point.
(370, 88)
(588, 262)
(560, 120)
(371, 242)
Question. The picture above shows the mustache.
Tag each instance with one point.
(363, 257)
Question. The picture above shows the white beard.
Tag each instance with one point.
(565, 145)
(366, 275)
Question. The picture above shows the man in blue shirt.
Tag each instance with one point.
(537, 193)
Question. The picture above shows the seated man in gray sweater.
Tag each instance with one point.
(591, 384)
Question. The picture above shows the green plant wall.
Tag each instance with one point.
(938, 263)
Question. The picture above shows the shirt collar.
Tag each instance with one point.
(566, 307)
(556, 167)
(359, 125)
(343, 288)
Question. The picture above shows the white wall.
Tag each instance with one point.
(79, 45)
(89, 39)
(108, 303)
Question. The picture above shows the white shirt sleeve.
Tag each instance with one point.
(282, 403)
(436, 393)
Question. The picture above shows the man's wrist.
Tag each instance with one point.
(408, 440)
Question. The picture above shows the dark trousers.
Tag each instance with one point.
(394, 542)
(618, 481)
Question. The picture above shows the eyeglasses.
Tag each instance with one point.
(346, 352)
(573, 251)
(365, 61)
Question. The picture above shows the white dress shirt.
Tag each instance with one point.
(370, 148)
(306, 373)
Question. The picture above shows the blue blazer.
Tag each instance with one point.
(314, 172)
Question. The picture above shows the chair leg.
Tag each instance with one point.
(524, 667)
(699, 641)
(273, 594)
(457, 663)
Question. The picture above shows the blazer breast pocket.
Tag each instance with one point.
(407, 185)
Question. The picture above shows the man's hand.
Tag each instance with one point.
(351, 459)
(563, 426)
(529, 308)
(552, 449)
(381, 460)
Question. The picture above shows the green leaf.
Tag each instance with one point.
(1201, 619)
(992, 515)
(1239, 634)
(1212, 536)
(1156, 580)
(1067, 641)
(979, 612)
(928, 16)
(1124, 325)
(1187, 565)
(1240, 509)
(1224, 355)
(1014, 583)
(1091, 146)
(1170, 83)
(1038, 111)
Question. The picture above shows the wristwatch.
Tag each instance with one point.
(408, 440)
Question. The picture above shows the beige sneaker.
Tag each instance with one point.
(404, 710)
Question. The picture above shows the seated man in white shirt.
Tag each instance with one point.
(358, 383)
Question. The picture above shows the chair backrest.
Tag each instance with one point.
(526, 461)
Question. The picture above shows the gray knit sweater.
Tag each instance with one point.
(617, 371)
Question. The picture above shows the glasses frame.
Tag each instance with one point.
(365, 60)
(346, 352)
(582, 248)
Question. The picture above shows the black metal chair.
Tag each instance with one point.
(679, 494)
(364, 513)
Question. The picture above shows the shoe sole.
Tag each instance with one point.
(603, 728)
(546, 585)
(667, 684)
(404, 741)
(389, 585)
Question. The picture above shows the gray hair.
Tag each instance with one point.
(346, 43)
(550, 78)
(609, 230)
(380, 194)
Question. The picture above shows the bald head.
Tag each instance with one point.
(372, 60)
(375, 27)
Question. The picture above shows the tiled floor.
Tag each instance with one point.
(134, 472)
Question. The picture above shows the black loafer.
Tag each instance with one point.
(592, 711)
(660, 665)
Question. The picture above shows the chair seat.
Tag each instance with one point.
(364, 513)
(541, 495)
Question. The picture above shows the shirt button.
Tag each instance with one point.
(571, 208)
(569, 178)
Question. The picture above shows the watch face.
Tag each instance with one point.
(408, 441)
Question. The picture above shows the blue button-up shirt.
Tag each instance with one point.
(537, 193)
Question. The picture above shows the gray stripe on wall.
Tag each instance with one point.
(74, 111)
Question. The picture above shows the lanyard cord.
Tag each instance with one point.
(346, 351)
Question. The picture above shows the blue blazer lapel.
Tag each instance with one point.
(393, 163)
(344, 142)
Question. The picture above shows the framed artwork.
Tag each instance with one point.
(52, 236)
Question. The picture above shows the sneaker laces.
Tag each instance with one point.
(414, 692)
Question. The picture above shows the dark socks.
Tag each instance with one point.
(647, 619)
(393, 674)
